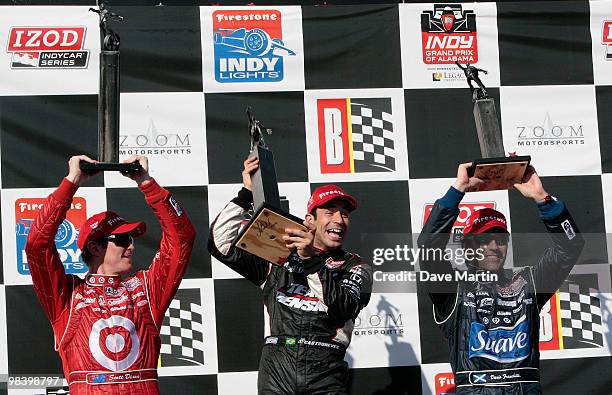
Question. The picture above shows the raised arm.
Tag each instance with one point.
(566, 241)
(178, 235)
(224, 230)
(51, 284)
(435, 236)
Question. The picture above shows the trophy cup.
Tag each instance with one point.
(494, 168)
(262, 235)
(108, 99)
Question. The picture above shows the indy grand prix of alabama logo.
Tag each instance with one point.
(47, 47)
(249, 46)
(449, 35)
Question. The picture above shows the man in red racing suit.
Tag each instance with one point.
(107, 327)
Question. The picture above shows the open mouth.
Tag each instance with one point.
(336, 234)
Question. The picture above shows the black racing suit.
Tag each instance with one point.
(492, 327)
(310, 305)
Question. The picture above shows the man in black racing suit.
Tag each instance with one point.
(492, 327)
(311, 301)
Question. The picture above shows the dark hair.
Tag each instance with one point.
(86, 255)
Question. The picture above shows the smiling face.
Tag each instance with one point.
(119, 251)
(332, 222)
(494, 248)
(116, 253)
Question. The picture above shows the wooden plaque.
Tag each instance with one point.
(499, 173)
(263, 235)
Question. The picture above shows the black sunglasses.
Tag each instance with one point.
(121, 239)
(486, 238)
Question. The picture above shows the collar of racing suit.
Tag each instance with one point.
(99, 280)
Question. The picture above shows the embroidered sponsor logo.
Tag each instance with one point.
(567, 228)
(500, 344)
(300, 297)
(176, 206)
(331, 264)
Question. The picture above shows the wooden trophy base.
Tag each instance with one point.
(499, 173)
(263, 235)
(109, 166)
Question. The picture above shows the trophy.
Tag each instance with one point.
(263, 234)
(108, 99)
(494, 168)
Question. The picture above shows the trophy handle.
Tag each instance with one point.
(88, 167)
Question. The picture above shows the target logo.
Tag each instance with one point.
(113, 342)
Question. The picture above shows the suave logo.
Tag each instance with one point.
(500, 344)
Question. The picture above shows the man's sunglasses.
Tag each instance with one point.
(486, 238)
(121, 239)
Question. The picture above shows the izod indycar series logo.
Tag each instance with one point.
(465, 211)
(249, 46)
(356, 135)
(47, 47)
(449, 35)
(26, 210)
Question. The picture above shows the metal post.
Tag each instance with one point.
(108, 107)
(489, 133)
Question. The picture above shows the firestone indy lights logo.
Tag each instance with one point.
(26, 210)
(248, 46)
(356, 135)
(449, 35)
(48, 47)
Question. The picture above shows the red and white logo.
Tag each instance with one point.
(449, 35)
(445, 384)
(356, 135)
(550, 331)
(606, 38)
(114, 343)
(465, 211)
(47, 47)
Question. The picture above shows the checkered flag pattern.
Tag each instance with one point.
(581, 315)
(366, 97)
(182, 334)
(373, 143)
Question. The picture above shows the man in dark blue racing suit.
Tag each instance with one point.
(492, 327)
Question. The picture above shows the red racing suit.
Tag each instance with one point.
(107, 328)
